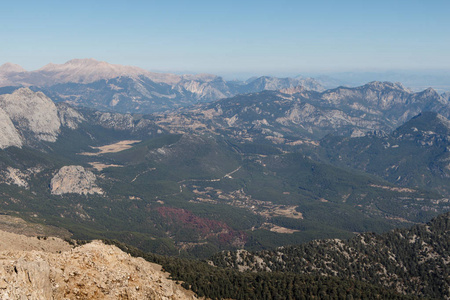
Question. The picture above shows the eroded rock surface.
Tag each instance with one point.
(92, 271)
(9, 136)
(32, 112)
(14, 176)
(74, 179)
(68, 116)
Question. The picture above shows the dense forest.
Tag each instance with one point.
(226, 283)
(413, 261)
(400, 264)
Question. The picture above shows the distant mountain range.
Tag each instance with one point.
(76, 70)
(103, 86)
(295, 115)
(111, 87)
(417, 80)
(415, 154)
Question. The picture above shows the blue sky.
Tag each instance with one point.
(260, 37)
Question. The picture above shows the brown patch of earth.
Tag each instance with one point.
(112, 148)
(278, 229)
(282, 211)
(100, 166)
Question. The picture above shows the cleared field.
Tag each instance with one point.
(112, 148)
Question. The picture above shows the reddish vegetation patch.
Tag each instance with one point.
(206, 228)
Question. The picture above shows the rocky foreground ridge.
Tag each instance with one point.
(52, 269)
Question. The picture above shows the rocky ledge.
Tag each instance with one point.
(91, 271)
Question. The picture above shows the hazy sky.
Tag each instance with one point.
(271, 37)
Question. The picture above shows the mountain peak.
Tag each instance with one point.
(429, 92)
(11, 68)
(83, 61)
(88, 70)
(428, 122)
(379, 85)
(87, 63)
(24, 91)
(32, 112)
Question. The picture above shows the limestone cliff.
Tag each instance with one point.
(9, 136)
(68, 116)
(27, 117)
(74, 179)
(32, 112)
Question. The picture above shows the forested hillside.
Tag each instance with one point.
(412, 261)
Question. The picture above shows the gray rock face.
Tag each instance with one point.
(9, 136)
(32, 112)
(25, 277)
(115, 121)
(27, 117)
(74, 179)
(68, 116)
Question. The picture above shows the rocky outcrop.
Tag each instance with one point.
(9, 136)
(19, 177)
(30, 118)
(68, 116)
(74, 179)
(32, 113)
(115, 121)
(27, 117)
(92, 271)
(14, 176)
